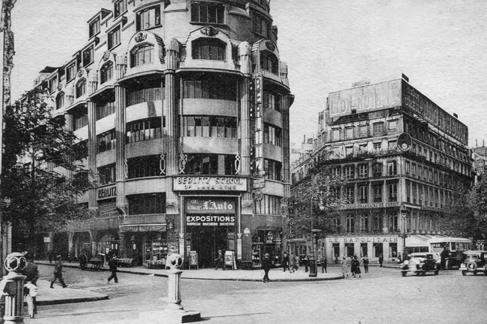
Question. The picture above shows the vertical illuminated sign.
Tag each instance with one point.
(259, 127)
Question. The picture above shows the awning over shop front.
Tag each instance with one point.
(418, 240)
(143, 228)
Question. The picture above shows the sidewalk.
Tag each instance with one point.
(59, 295)
(230, 275)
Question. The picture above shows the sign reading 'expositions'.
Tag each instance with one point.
(210, 220)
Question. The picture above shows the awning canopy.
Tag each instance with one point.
(418, 240)
(143, 228)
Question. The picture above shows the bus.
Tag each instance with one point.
(455, 245)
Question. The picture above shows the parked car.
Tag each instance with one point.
(420, 263)
(474, 262)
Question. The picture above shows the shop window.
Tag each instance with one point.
(272, 101)
(208, 49)
(350, 250)
(119, 7)
(80, 88)
(363, 249)
(106, 174)
(207, 12)
(154, 203)
(269, 62)
(106, 72)
(393, 250)
(141, 55)
(210, 126)
(378, 249)
(88, 56)
(144, 130)
(377, 189)
(106, 141)
(60, 100)
(210, 87)
(94, 27)
(141, 167)
(273, 170)
(114, 38)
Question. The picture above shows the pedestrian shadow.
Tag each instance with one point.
(207, 318)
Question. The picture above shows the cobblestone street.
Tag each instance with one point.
(382, 296)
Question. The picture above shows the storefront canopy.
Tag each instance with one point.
(418, 240)
(143, 228)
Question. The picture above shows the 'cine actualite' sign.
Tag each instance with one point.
(209, 183)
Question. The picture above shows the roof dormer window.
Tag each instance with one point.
(70, 72)
(94, 27)
(88, 56)
(114, 38)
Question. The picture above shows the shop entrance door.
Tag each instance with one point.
(207, 240)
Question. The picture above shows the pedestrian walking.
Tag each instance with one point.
(365, 262)
(345, 267)
(83, 261)
(31, 273)
(220, 261)
(324, 264)
(291, 263)
(381, 260)
(306, 263)
(113, 264)
(266, 265)
(356, 267)
(285, 262)
(58, 272)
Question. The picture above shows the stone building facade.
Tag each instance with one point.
(183, 106)
(403, 161)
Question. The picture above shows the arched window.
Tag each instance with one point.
(60, 100)
(268, 62)
(209, 49)
(141, 55)
(80, 88)
(106, 72)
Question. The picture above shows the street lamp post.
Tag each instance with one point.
(313, 271)
(404, 234)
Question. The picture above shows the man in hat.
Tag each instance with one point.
(58, 272)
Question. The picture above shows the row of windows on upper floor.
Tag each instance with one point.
(201, 13)
(196, 164)
(390, 168)
(353, 132)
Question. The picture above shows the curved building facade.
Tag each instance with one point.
(184, 108)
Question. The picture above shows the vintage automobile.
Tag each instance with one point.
(474, 262)
(420, 263)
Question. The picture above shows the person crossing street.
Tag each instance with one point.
(112, 263)
(58, 272)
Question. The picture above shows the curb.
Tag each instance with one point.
(71, 300)
(337, 277)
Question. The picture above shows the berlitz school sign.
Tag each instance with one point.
(188, 183)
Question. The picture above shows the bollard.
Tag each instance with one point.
(12, 287)
(174, 282)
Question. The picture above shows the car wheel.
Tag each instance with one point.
(464, 272)
(436, 272)
(403, 273)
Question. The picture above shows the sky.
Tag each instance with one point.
(328, 45)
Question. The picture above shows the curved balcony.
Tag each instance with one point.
(209, 107)
(147, 185)
(142, 148)
(273, 117)
(106, 158)
(213, 145)
(144, 110)
(272, 152)
(105, 124)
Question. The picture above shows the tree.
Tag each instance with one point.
(477, 202)
(42, 174)
(315, 201)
